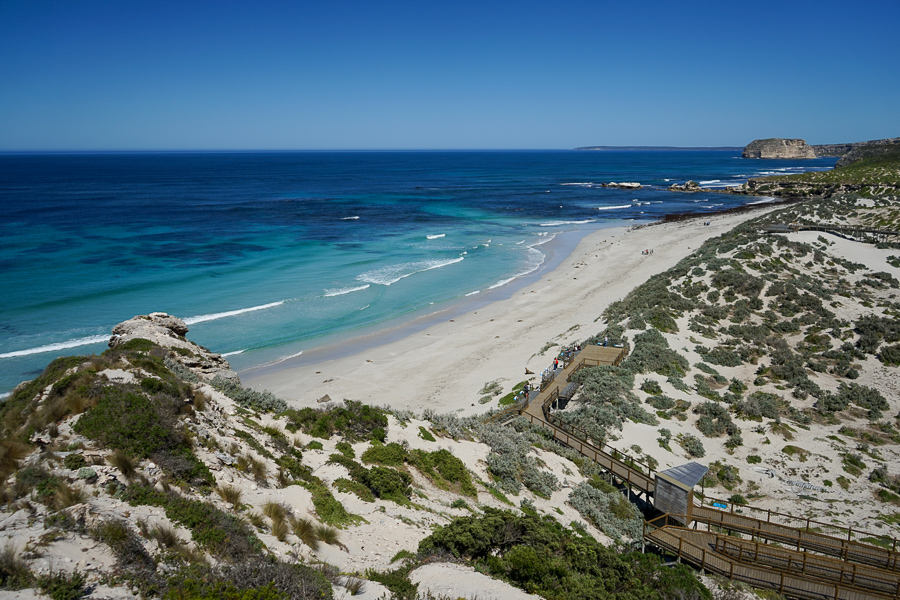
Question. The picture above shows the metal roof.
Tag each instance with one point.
(688, 474)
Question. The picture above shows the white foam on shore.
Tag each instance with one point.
(235, 352)
(5, 395)
(582, 184)
(435, 236)
(766, 200)
(85, 341)
(342, 291)
(535, 260)
(473, 293)
(613, 207)
(394, 273)
(230, 313)
(560, 223)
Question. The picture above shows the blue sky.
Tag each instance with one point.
(97, 75)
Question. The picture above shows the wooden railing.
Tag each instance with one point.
(832, 569)
(681, 543)
(800, 539)
(804, 523)
(622, 470)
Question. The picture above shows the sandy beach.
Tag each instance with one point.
(444, 367)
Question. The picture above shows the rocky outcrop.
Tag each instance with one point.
(168, 331)
(778, 148)
(625, 185)
(689, 186)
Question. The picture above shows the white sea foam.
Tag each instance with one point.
(435, 236)
(235, 352)
(473, 293)
(710, 181)
(85, 341)
(282, 359)
(560, 223)
(548, 237)
(535, 260)
(394, 273)
(613, 207)
(342, 291)
(230, 313)
(582, 184)
(766, 200)
(5, 395)
(349, 218)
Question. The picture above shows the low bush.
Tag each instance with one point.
(355, 421)
(692, 445)
(539, 555)
(392, 454)
(608, 511)
(262, 401)
(222, 534)
(63, 586)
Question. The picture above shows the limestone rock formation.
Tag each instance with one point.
(778, 148)
(625, 185)
(689, 186)
(168, 331)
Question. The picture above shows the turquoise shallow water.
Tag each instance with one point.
(269, 254)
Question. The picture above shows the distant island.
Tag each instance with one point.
(658, 148)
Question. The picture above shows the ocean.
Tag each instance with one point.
(268, 255)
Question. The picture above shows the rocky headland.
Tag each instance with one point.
(778, 148)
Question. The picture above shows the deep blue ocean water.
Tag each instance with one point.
(269, 254)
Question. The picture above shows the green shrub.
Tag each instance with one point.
(651, 387)
(221, 533)
(610, 512)
(63, 586)
(262, 401)
(73, 462)
(355, 421)
(391, 454)
(14, 572)
(354, 487)
(692, 445)
(660, 402)
(426, 435)
(346, 449)
(890, 355)
(541, 556)
(141, 427)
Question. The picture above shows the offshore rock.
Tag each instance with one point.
(625, 185)
(168, 331)
(778, 148)
(690, 186)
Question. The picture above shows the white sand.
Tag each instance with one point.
(445, 366)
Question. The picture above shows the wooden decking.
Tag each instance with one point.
(792, 573)
(804, 559)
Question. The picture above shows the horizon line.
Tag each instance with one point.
(360, 150)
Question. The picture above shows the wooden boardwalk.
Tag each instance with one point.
(857, 232)
(799, 560)
(794, 574)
